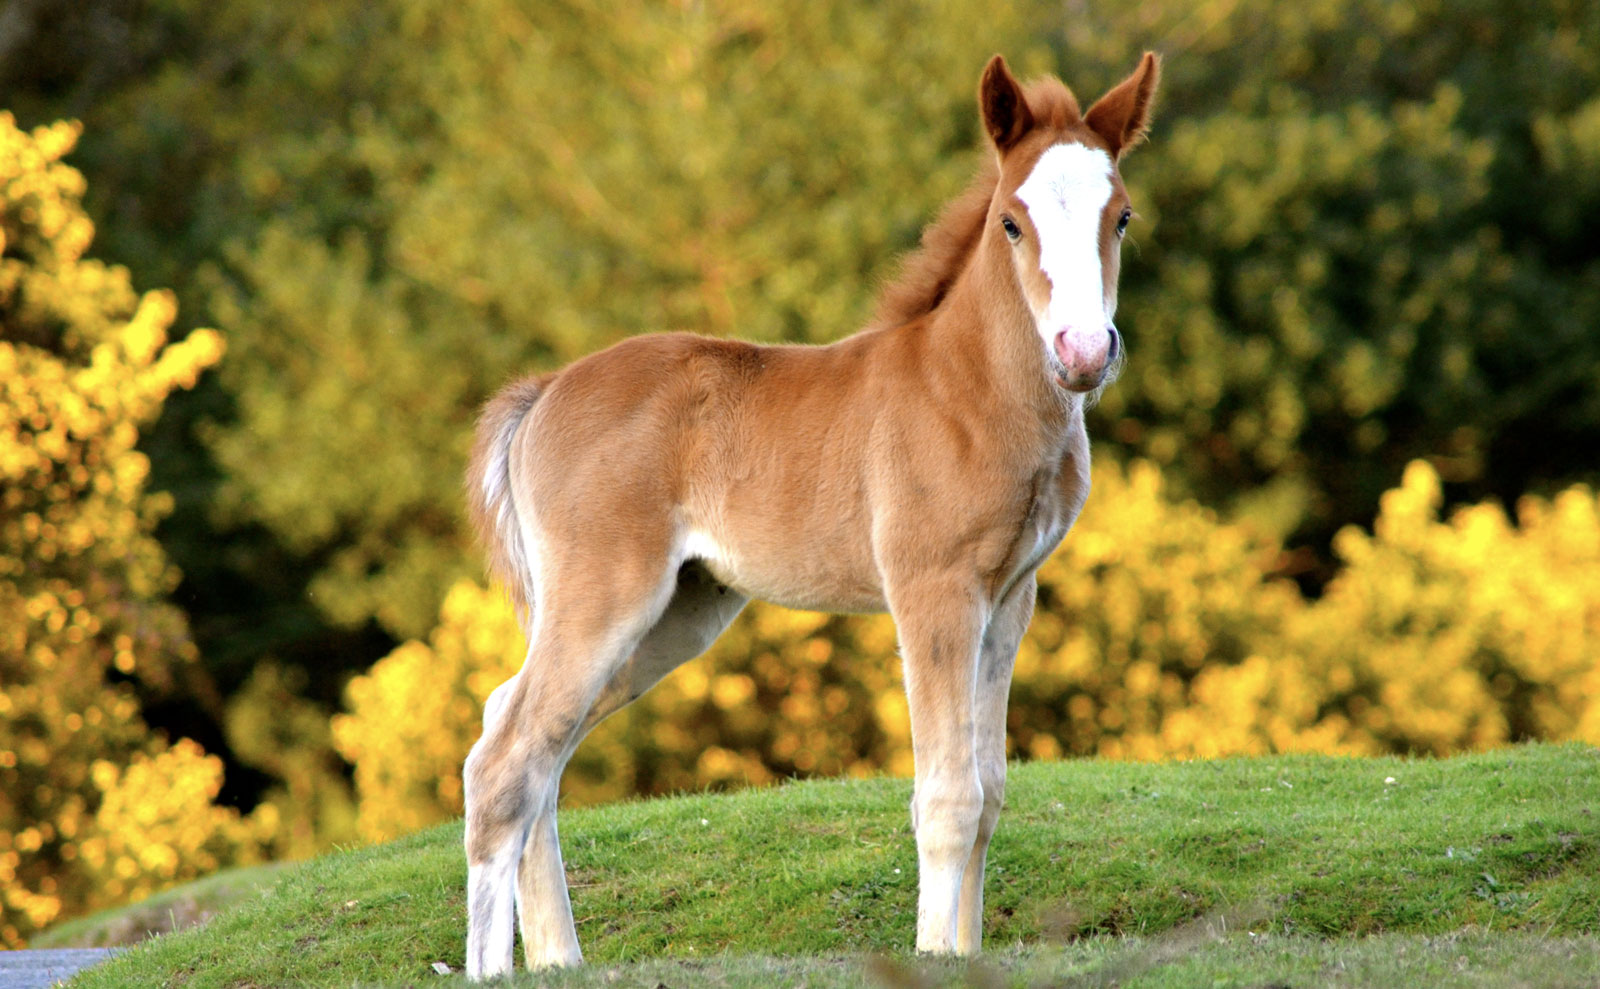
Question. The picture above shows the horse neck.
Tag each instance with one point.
(983, 343)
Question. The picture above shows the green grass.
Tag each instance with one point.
(1478, 870)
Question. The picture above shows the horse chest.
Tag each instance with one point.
(1048, 511)
(1040, 535)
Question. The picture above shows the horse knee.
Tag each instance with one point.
(947, 813)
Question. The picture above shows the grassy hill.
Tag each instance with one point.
(1478, 870)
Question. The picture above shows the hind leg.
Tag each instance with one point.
(699, 610)
(584, 630)
(510, 787)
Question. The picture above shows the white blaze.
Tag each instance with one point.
(1065, 194)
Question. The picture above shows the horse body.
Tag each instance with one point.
(635, 500)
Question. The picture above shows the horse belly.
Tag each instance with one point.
(795, 572)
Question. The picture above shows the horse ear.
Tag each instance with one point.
(1005, 110)
(1120, 116)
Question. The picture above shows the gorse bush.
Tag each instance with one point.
(94, 808)
(1435, 636)
(1442, 636)
(1161, 633)
(156, 824)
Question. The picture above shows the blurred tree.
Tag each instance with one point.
(66, 51)
(214, 89)
(84, 362)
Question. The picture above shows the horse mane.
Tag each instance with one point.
(926, 275)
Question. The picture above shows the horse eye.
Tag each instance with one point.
(1013, 232)
(1122, 221)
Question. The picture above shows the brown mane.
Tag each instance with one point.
(926, 274)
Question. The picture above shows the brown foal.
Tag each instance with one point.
(635, 500)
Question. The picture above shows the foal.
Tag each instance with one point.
(927, 465)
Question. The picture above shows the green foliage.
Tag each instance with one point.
(331, 371)
(1308, 845)
(1319, 280)
(273, 728)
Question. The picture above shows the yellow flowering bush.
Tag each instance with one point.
(415, 714)
(156, 824)
(1438, 636)
(1435, 636)
(84, 362)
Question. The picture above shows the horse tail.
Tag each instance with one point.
(490, 500)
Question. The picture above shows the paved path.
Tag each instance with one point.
(38, 969)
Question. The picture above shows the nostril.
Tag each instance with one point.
(1115, 346)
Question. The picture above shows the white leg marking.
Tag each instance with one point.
(489, 912)
(946, 816)
(941, 633)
